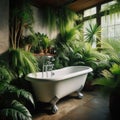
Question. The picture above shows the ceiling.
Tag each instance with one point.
(76, 5)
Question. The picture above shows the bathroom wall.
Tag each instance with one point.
(4, 26)
(38, 25)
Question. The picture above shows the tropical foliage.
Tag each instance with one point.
(114, 8)
(22, 62)
(21, 19)
(12, 98)
(110, 80)
(43, 43)
(11, 104)
(92, 33)
(58, 18)
(111, 48)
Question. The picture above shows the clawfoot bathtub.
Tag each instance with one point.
(60, 83)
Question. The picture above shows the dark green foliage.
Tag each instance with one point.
(11, 104)
(42, 43)
(29, 39)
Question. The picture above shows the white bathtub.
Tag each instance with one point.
(54, 87)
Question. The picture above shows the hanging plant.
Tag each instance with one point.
(58, 17)
(65, 16)
(49, 17)
(115, 8)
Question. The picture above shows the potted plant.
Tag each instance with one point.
(28, 41)
(43, 43)
(110, 85)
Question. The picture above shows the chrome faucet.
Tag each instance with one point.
(47, 67)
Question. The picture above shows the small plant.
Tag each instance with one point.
(43, 43)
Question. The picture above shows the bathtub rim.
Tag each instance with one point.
(56, 79)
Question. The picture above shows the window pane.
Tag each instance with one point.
(111, 32)
(117, 30)
(90, 11)
(107, 5)
(111, 26)
(104, 33)
(87, 26)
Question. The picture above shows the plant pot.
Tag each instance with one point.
(114, 106)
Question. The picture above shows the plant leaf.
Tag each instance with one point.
(17, 111)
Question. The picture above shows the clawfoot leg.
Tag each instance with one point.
(54, 107)
(79, 94)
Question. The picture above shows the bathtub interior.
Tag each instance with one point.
(58, 74)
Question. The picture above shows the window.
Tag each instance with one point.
(87, 26)
(107, 5)
(90, 11)
(110, 26)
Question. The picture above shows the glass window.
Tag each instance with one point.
(87, 26)
(110, 26)
(107, 5)
(90, 11)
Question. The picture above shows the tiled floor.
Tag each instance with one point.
(92, 106)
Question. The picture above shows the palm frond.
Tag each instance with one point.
(23, 62)
(92, 33)
(110, 81)
(112, 49)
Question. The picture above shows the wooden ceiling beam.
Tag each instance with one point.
(76, 5)
(84, 4)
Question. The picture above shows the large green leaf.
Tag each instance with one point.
(6, 88)
(17, 111)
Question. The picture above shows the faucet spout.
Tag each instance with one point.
(47, 68)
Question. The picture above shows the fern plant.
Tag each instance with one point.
(110, 80)
(22, 62)
(111, 48)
